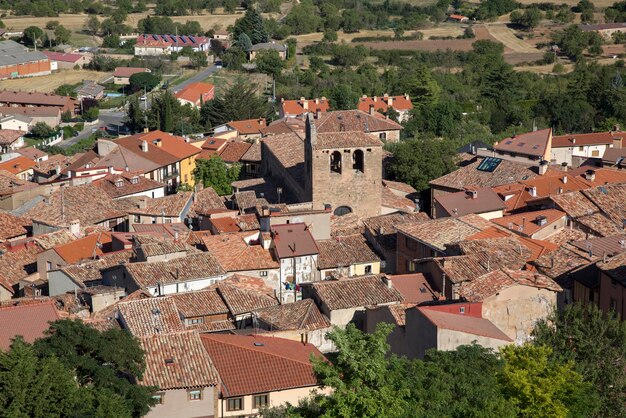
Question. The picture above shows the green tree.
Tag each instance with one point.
(110, 362)
(303, 18)
(595, 343)
(144, 81)
(413, 163)
(529, 19)
(360, 378)
(52, 24)
(216, 174)
(252, 25)
(244, 42)
(134, 115)
(237, 101)
(537, 386)
(91, 114)
(198, 60)
(66, 90)
(31, 386)
(234, 58)
(93, 25)
(330, 35)
(42, 130)
(32, 35)
(342, 97)
(269, 62)
(62, 34)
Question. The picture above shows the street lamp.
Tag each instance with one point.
(279, 190)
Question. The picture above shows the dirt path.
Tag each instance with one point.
(505, 35)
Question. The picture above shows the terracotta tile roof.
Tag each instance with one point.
(463, 323)
(349, 224)
(414, 288)
(171, 144)
(399, 186)
(18, 262)
(92, 271)
(199, 303)
(494, 282)
(213, 144)
(128, 71)
(438, 233)
(171, 230)
(470, 176)
(240, 251)
(213, 326)
(120, 185)
(256, 364)
(384, 227)
(615, 268)
(17, 165)
(238, 223)
(599, 247)
(352, 139)
(245, 200)
(575, 204)
(150, 316)
(599, 224)
(577, 140)
(83, 248)
(34, 98)
(52, 239)
(301, 106)
(562, 261)
(288, 149)
(355, 292)
(30, 321)
(193, 92)
(172, 205)
(243, 299)
(177, 361)
(248, 126)
(613, 156)
(610, 199)
(233, 151)
(300, 315)
(86, 203)
(599, 176)
(9, 183)
(284, 126)
(9, 136)
(206, 201)
(354, 120)
(564, 236)
(381, 103)
(471, 201)
(527, 223)
(293, 240)
(345, 251)
(32, 153)
(31, 111)
(530, 143)
(151, 246)
(191, 267)
(390, 199)
(130, 149)
(12, 226)
(253, 154)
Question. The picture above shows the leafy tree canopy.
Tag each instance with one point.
(216, 174)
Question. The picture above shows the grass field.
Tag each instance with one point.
(48, 83)
(506, 36)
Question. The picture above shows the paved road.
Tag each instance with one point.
(201, 76)
(111, 119)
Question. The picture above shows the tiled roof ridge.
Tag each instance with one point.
(259, 350)
(28, 305)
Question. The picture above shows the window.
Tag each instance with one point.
(194, 395)
(134, 180)
(581, 148)
(342, 210)
(119, 183)
(48, 266)
(462, 309)
(595, 153)
(410, 266)
(137, 219)
(235, 404)
(193, 321)
(368, 269)
(260, 401)
(382, 136)
(263, 273)
(357, 160)
(158, 397)
(335, 162)
(613, 304)
(154, 219)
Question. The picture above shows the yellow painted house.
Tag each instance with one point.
(347, 256)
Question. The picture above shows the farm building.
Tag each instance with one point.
(606, 30)
(18, 61)
(151, 45)
(60, 60)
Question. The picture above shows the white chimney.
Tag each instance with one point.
(110, 169)
(75, 227)
(533, 191)
(304, 103)
(564, 179)
(144, 146)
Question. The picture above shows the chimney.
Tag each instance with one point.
(387, 281)
(541, 220)
(543, 167)
(406, 96)
(75, 227)
(144, 146)
(318, 113)
(145, 130)
(261, 121)
(389, 100)
(573, 140)
(617, 142)
(304, 103)
(590, 175)
(110, 169)
(372, 111)
(472, 193)
(266, 241)
(317, 101)
(564, 179)
(143, 202)
(616, 127)
(157, 142)
(533, 191)
(375, 98)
